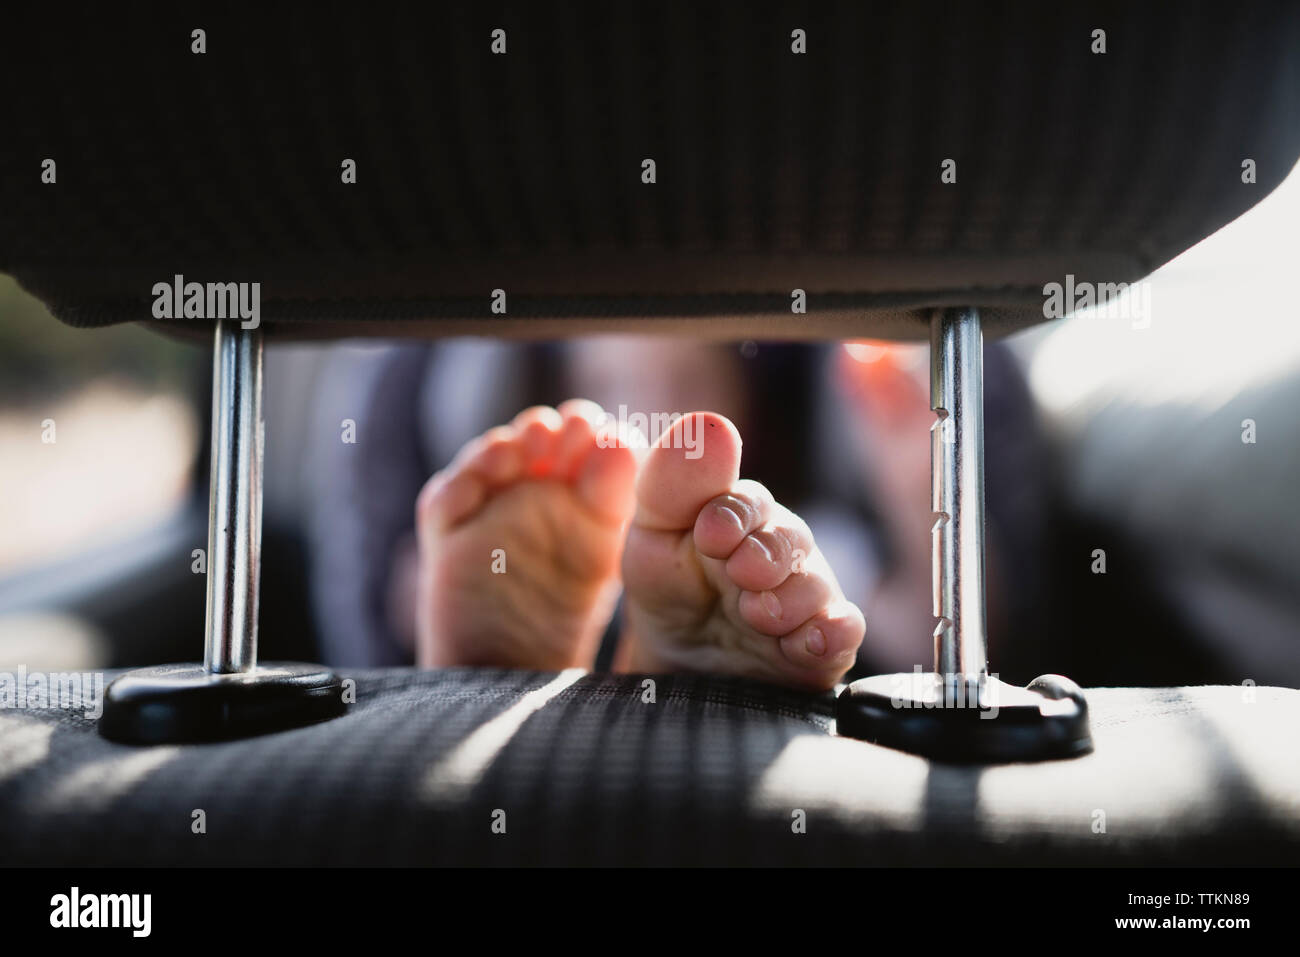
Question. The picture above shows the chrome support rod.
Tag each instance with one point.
(957, 493)
(235, 501)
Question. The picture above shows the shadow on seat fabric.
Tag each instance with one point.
(583, 769)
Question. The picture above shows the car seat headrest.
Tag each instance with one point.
(672, 167)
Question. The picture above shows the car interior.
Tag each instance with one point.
(418, 195)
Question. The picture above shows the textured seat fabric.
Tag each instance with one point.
(523, 171)
(586, 771)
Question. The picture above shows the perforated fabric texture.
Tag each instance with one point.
(586, 770)
(523, 171)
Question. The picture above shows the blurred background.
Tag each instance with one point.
(124, 401)
(1142, 474)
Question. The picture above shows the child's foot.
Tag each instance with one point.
(520, 538)
(720, 578)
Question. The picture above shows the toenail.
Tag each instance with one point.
(731, 516)
(772, 604)
(815, 642)
(763, 549)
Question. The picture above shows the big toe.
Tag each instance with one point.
(694, 461)
(605, 476)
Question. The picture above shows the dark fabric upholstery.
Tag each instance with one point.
(522, 172)
(711, 772)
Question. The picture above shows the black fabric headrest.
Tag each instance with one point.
(524, 171)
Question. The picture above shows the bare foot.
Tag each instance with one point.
(720, 578)
(520, 539)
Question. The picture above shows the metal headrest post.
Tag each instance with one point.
(235, 502)
(230, 695)
(957, 493)
(959, 712)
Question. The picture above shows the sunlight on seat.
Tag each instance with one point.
(845, 779)
(95, 786)
(452, 777)
(24, 743)
(1191, 760)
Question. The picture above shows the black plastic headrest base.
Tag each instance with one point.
(998, 722)
(185, 704)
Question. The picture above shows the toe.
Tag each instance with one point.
(779, 610)
(447, 499)
(695, 460)
(772, 553)
(455, 493)
(581, 418)
(823, 649)
(725, 521)
(582, 409)
(605, 479)
(539, 430)
(497, 456)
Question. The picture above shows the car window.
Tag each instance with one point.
(99, 431)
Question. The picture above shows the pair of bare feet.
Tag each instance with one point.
(528, 536)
